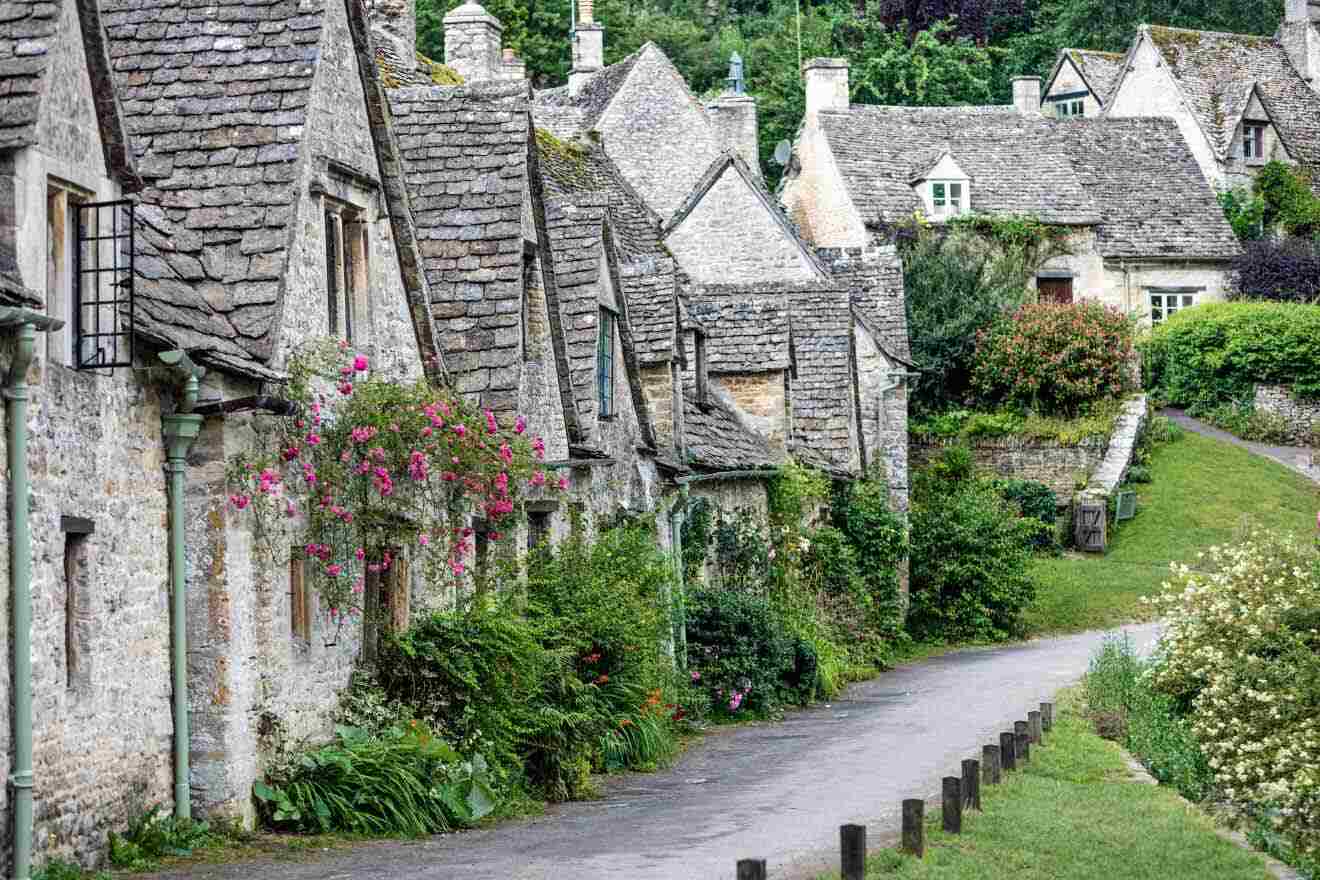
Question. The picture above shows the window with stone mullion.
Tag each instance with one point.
(605, 363)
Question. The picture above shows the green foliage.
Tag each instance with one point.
(696, 536)
(1126, 708)
(965, 424)
(878, 539)
(1249, 423)
(742, 554)
(957, 284)
(1245, 212)
(970, 555)
(58, 869)
(1218, 352)
(151, 836)
(1056, 359)
(1034, 501)
(1140, 474)
(401, 781)
(1289, 202)
(741, 651)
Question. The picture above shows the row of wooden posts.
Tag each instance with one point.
(959, 793)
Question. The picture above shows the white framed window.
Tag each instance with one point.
(1075, 107)
(1165, 303)
(348, 294)
(1253, 141)
(948, 198)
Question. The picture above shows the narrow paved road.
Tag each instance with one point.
(772, 791)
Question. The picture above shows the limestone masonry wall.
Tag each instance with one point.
(1062, 468)
(1301, 414)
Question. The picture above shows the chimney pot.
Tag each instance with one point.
(586, 11)
(1026, 94)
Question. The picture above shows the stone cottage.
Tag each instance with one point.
(1145, 232)
(1240, 101)
(1081, 83)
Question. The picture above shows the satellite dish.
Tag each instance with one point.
(782, 152)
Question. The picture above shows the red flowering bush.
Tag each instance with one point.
(369, 466)
(1055, 359)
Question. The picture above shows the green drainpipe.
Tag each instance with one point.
(678, 603)
(20, 574)
(181, 429)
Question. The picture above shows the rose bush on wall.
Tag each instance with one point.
(370, 465)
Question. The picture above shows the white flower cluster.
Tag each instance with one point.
(1242, 647)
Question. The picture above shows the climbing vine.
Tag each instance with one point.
(369, 466)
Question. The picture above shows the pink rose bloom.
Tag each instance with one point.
(346, 388)
(423, 539)
(240, 501)
(426, 432)
(502, 481)
(538, 446)
(506, 453)
(334, 570)
(696, 676)
(312, 439)
(360, 363)
(491, 425)
(360, 553)
(519, 425)
(538, 478)
(460, 430)
(562, 484)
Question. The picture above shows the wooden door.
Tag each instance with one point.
(1055, 290)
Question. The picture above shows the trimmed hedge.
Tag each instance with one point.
(1216, 353)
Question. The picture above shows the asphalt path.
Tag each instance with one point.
(777, 791)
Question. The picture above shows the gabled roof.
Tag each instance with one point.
(215, 112)
(578, 114)
(27, 44)
(465, 153)
(1099, 70)
(1134, 179)
(717, 440)
(577, 170)
(1216, 73)
(746, 329)
(822, 398)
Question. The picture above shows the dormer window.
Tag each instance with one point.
(1253, 141)
(948, 198)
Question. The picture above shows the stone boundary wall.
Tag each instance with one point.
(1300, 413)
(1122, 443)
(1060, 467)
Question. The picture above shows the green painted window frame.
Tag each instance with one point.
(605, 362)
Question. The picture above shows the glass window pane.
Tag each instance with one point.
(1188, 300)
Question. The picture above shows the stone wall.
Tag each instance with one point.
(1301, 414)
(760, 399)
(1064, 469)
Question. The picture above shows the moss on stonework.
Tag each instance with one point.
(1169, 40)
(441, 74)
(564, 160)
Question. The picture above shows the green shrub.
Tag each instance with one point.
(1289, 201)
(1124, 707)
(1140, 474)
(742, 553)
(1034, 501)
(154, 835)
(1245, 212)
(1217, 353)
(405, 781)
(740, 652)
(1056, 359)
(878, 537)
(58, 869)
(1249, 423)
(971, 554)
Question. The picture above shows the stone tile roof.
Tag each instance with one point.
(591, 102)
(874, 279)
(464, 151)
(1100, 70)
(423, 72)
(717, 440)
(746, 330)
(1216, 72)
(578, 170)
(574, 229)
(1135, 179)
(27, 39)
(214, 106)
(822, 398)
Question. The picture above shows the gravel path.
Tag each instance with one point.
(1297, 458)
(777, 791)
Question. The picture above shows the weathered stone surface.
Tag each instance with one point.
(1301, 414)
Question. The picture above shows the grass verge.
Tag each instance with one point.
(1203, 492)
(1075, 812)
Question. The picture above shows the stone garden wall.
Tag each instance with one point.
(1063, 468)
(1301, 414)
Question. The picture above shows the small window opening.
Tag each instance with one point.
(538, 528)
(1253, 141)
(703, 381)
(1164, 305)
(946, 198)
(77, 591)
(300, 604)
(334, 267)
(605, 364)
(347, 281)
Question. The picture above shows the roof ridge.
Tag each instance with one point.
(1232, 34)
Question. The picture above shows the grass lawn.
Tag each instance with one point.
(1203, 494)
(1075, 813)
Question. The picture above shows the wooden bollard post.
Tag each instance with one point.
(751, 869)
(914, 827)
(1034, 728)
(1008, 751)
(971, 783)
(852, 850)
(1047, 717)
(1023, 740)
(990, 769)
(953, 805)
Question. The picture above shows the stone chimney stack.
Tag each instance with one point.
(1300, 36)
(734, 116)
(512, 66)
(1026, 94)
(827, 84)
(472, 42)
(588, 47)
(394, 27)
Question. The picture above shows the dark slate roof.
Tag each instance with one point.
(1100, 70)
(1216, 72)
(746, 328)
(574, 229)
(874, 279)
(214, 106)
(592, 101)
(1135, 179)
(717, 440)
(423, 71)
(27, 39)
(578, 171)
(822, 399)
(464, 151)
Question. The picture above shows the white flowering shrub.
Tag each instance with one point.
(1242, 652)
